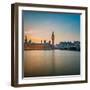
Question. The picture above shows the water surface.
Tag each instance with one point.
(51, 63)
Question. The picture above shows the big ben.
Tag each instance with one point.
(53, 38)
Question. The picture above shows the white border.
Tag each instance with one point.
(52, 78)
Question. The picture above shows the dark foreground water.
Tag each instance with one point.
(51, 63)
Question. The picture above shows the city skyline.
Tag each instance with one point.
(39, 26)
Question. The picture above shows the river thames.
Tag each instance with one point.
(51, 63)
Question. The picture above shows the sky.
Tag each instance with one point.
(40, 25)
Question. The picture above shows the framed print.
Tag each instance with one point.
(48, 44)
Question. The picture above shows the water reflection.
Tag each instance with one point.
(51, 63)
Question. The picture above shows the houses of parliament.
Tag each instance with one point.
(43, 45)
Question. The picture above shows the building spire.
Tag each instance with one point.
(53, 38)
(25, 39)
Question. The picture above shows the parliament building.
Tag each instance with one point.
(43, 45)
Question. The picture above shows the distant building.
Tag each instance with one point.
(30, 41)
(44, 45)
(49, 42)
(69, 45)
(25, 39)
(41, 41)
(53, 39)
(44, 41)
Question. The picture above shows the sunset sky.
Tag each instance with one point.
(40, 25)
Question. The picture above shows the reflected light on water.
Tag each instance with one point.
(51, 63)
